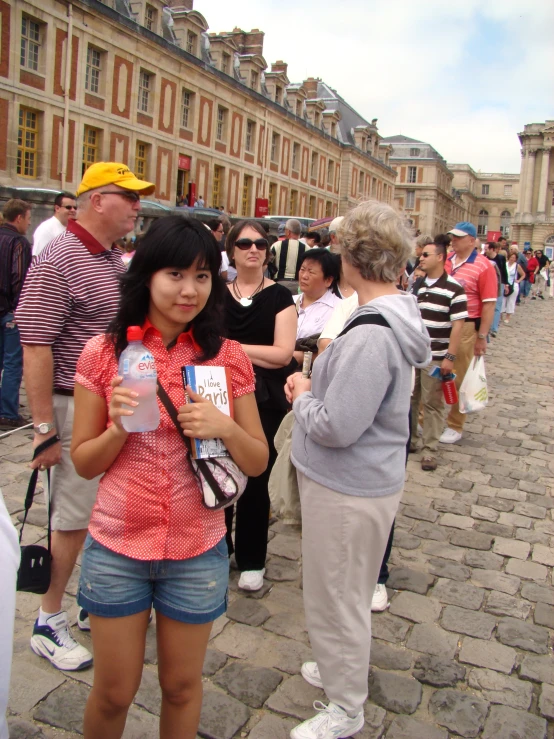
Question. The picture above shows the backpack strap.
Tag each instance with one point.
(375, 318)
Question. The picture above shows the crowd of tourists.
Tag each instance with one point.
(385, 327)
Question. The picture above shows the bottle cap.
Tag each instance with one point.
(134, 333)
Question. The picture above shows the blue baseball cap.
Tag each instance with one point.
(464, 229)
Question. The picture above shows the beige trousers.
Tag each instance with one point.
(464, 355)
(343, 542)
(428, 391)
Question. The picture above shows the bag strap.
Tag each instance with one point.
(200, 463)
(375, 318)
(30, 496)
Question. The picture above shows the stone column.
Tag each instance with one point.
(530, 180)
(543, 183)
(522, 179)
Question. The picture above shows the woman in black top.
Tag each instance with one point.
(260, 314)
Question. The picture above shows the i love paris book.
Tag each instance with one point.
(213, 383)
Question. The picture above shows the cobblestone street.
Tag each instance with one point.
(466, 646)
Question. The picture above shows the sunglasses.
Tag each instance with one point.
(245, 244)
(428, 254)
(69, 207)
(132, 197)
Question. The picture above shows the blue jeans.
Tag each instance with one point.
(524, 290)
(11, 367)
(497, 312)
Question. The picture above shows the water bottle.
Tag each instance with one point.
(449, 389)
(136, 366)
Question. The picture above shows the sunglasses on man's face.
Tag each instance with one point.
(245, 244)
(428, 254)
(69, 207)
(129, 195)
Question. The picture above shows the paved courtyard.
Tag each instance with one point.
(466, 646)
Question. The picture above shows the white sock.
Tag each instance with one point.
(43, 617)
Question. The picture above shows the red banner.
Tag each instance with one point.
(183, 162)
(261, 208)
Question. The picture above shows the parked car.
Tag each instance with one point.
(306, 223)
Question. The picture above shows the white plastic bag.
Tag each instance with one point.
(473, 393)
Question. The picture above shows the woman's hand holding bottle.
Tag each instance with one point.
(121, 403)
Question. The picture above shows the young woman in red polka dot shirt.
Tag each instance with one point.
(151, 542)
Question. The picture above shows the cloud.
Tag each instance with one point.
(465, 77)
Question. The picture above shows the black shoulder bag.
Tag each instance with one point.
(34, 569)
(366, 318)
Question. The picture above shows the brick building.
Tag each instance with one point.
(146, 84)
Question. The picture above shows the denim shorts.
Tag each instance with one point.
(193, 590)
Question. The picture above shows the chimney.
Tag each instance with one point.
(180, 4)
(310, 85)
(279, 66)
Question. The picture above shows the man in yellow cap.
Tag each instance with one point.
(70, 295)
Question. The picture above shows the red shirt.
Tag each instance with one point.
(478, 278)
(149, 505)
(532, 265)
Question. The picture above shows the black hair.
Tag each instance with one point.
(234, 234)
(59, 198)
(439, 249)
(329, 262)
(442, 240)
(178, 242)
(214, 224)
(315, 236)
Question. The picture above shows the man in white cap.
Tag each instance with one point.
(70, 295)
(477, 276)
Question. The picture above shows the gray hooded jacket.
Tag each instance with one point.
(351, 429)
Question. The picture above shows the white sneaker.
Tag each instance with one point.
(252, 579)
(331, 722)
(55, 642)
(310, 673)
(449, 436)
(380, 600)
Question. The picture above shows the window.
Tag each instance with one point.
(216, 187)
(484, 189)
(412, 174)
(328, 209)
(91, 147)
(361, 180)
(410, 199)
(92, 71)
(221, 130)
(507, 191)
(225, 63)
(187, 103)
(330, 172)
(311, 207)
(313, 168)
(141, 152)
(272, 198)
(275, 141)
(295, 157)
(250, 136)
(27, 143)
(334, 129)
(482, 223)
(246, 196)
(278, 94)
(415, 152)
(505, 222)
(317, 120)
(254, 80)
(191, 42)
(30, 43)
(145, 90)
(293, 206)
(299, 108)
(150, 18)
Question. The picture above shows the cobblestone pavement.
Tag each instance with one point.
(466, 646)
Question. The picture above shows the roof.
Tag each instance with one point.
(403, 148)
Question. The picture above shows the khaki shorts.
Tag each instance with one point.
(71, 497)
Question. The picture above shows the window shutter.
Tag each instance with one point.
(420, 174)
(418, 204)
(402, 174)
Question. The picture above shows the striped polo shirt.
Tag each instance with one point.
(478, 278)
(439, 304)
(71, 293)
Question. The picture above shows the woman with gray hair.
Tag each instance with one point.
(348, 448)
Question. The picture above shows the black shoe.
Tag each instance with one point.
(533, 298)
(541, 297)
(6, 424)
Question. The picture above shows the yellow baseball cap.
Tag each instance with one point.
(113, 173)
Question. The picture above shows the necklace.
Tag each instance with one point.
(246, 302)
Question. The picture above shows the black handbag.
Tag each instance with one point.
(34, 570)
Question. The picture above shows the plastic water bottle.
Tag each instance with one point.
(136, 366)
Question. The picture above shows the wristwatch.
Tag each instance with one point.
(44, 428)
(450, 357)
(481, 336)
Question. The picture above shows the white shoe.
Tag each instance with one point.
(55, 642)
(310, 673)
(252, 579)
(449, 436)
(331, 722)
(380, 600)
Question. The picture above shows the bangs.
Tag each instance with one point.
(179, 242)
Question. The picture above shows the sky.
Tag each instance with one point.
(462, 76)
